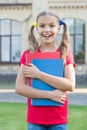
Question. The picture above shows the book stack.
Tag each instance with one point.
(50, 63)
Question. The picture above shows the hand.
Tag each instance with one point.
(31, 71)
(58, 96)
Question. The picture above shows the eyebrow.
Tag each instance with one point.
(49, 23)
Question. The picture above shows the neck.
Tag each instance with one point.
(47, 48)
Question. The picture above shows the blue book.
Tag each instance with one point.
(50, 66)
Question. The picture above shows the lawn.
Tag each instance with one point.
(77, 118)
(13, 117)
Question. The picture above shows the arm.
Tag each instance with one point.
(66, 83)
(23, 89)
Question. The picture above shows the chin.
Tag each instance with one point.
(48, 42)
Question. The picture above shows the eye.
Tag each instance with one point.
(52, 25)
(42, 25)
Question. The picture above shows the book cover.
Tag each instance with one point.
(42, 55)
(49, 66)
(50, 63)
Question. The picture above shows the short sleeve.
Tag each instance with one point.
(70, 59)
(23, 58)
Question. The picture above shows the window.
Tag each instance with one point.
(10, 41)
(77, 38)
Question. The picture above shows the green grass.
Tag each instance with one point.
(13, 117)
(77, 118)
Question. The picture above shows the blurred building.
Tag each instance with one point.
(16, 16)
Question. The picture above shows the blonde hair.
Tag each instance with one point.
(64, 45)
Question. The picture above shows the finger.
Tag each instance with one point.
(30, 64)
(25, 71)
(26, 75)
(62, 101)
(63, 96)
(26, 68)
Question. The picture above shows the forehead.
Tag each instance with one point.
(47, 19)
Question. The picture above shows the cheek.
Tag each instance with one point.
(55, 32)
(39, 31)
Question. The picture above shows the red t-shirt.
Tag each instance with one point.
(48, 115)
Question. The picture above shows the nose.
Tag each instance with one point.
(47, 29)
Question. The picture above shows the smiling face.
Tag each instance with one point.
(48, 28)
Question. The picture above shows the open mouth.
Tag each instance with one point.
(47, 36)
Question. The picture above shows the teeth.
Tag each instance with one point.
(47, 35)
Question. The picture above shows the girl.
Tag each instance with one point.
(47, 117)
